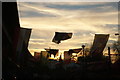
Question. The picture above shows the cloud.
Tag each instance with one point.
(82, 19)
(63, 9)
(84, 6)
(41, 9)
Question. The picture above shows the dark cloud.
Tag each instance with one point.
(98, 8)
(33, 13)
(111, 25)
(111, 41)
(83, 32)
(38, 41)
(27, 10)
(87, 6)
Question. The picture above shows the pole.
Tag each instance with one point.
(83, 48)
(109, 59)
(83, 74)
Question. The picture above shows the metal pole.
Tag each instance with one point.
(109, 60)
(83, 74)
(83, 48)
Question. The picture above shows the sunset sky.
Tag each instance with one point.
(83, 19)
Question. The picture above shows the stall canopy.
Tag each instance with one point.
(74, 50)
(52, 51)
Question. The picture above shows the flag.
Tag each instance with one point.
(99, 44)
(61, 36)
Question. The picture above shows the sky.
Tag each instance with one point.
(83, 19)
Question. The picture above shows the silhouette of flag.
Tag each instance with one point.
(99, 44)
(61, 36)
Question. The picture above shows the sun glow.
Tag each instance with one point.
(57, 57)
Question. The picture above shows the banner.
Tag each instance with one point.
(99, 44)
(61, 36)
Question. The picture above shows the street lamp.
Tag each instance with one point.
(83, 47)
(117, 34)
